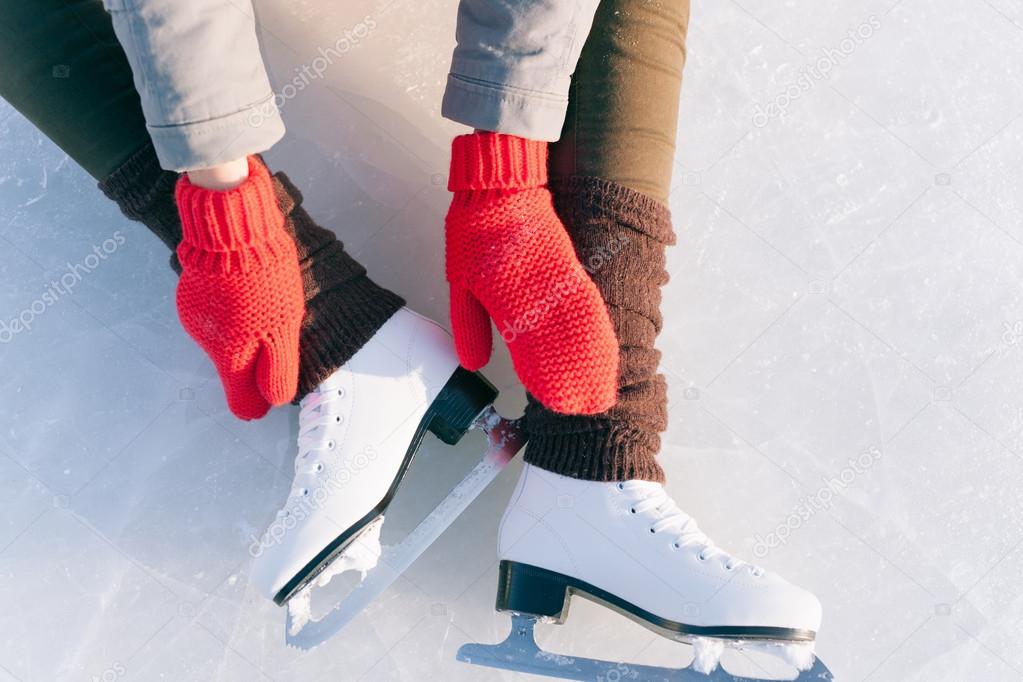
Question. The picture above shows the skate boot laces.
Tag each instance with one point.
(652, 497)
(317, 414)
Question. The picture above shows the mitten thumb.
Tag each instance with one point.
(470, 324)
(277, 366)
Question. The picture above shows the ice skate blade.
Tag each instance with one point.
(505, 439)
(520, 653)
(360, 556)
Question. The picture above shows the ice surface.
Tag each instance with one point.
(847, 285)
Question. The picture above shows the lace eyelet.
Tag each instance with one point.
(675, 546)
(632, 511)
(729, 568)
(700, 557)
(620, 486)
(304, 492)
(331, 444)
(337, 419)
(340, 393)
(318, 467)
(652, 531)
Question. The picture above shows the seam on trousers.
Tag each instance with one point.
(502, 90)
(131, 18)
(569, 51)
(212, 125)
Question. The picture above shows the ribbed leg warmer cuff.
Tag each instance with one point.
(620, 237)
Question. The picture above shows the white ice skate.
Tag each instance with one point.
(358, 433)
(630, 548)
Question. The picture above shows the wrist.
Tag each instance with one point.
(222, 176)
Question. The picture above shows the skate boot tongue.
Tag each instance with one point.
(653, 499)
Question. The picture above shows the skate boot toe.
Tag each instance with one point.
(768, 600)
(268, 572)
(286, 548)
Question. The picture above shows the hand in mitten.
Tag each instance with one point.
(240, 293)
(510, 259)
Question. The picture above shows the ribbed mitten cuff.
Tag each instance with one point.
(232, 219)
(485, 160)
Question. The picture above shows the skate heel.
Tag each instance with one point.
(533, 591)
(460, 402)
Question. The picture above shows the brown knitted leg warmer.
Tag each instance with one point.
(145, 193)
(610, 172)
(344, 307)
(620, 237)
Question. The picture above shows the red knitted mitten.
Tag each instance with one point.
(510, 259)
(240, 293)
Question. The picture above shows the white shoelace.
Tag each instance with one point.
(313, 418)
(652, 496)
